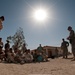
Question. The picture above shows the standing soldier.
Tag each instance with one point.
(7, 47)
(56, 52)
(64, 46)
(1, 44)
(71, 38)
(1, 50)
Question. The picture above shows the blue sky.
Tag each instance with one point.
(19, 13)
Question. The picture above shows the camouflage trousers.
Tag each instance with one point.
(73, 47)
(65, 52)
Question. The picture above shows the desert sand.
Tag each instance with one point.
(57, 66)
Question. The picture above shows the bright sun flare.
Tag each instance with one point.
(40, 15)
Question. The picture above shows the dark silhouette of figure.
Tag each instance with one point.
(64, 46)
(24, 48)
(71, 38)
(7, 47)
(10, 56)
(35, 55)
(1, 44)
(1, 20)
(1, 51)
(42, 56)
(56, 51)
(40, 48)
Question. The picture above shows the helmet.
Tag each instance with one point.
(2, 17)
(69, 27)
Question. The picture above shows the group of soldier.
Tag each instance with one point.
(15, 55)
(64, 44)
(25, 55)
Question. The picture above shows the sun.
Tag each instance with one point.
(40, 15)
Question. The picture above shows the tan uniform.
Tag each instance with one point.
(72, 41)
(64, 46)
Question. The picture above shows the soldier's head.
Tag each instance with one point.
(63, 39)
(24, 44)
(2, 18)
(39, 44)
(69, 28)
(7, 41)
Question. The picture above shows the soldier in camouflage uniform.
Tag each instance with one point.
(71, 38)
(64, 47)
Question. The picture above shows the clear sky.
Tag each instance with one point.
(19, 13)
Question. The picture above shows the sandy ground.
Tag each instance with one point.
(56, 66)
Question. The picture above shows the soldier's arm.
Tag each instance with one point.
(67, 43)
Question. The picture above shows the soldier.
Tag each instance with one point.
(1, 20)
(56, 52)
(1, 50)
(24, 48)
(64, 46)
(1, 44)
(7, 47)
(71, 38)
(39, 53)
(40, 48)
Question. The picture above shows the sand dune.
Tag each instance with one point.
(56, 66)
